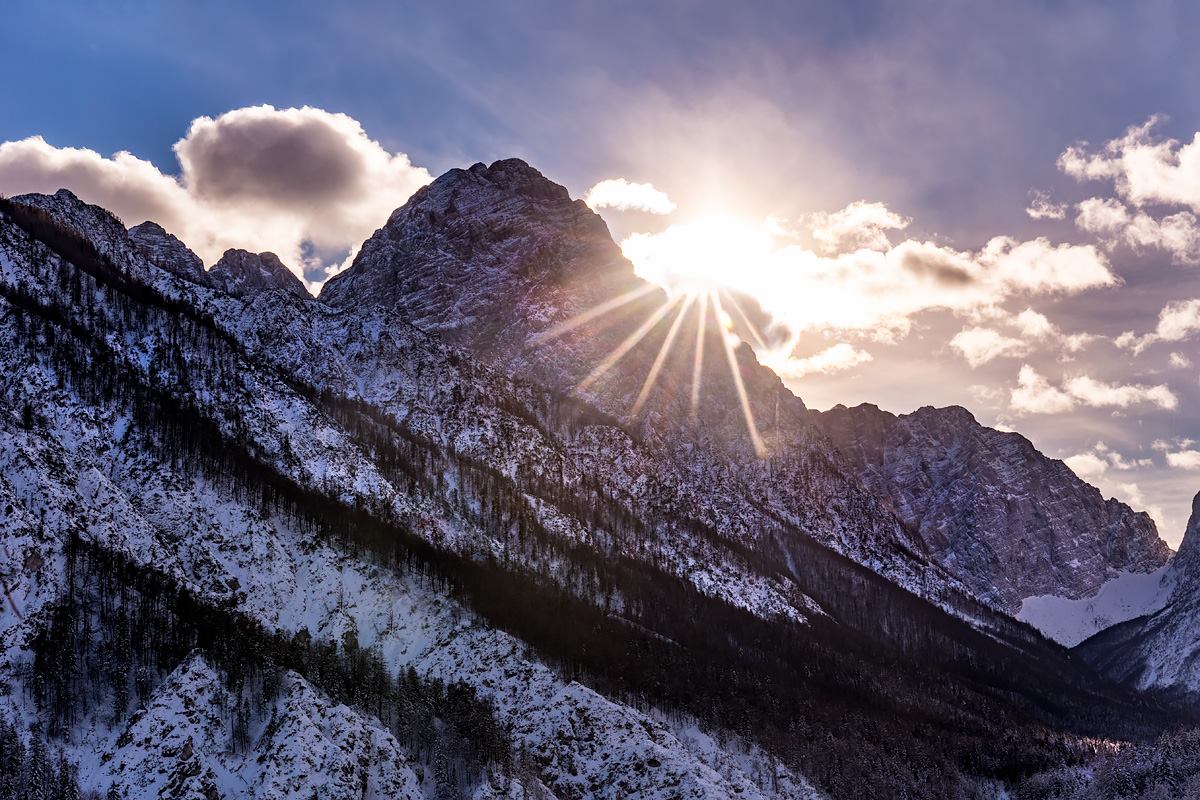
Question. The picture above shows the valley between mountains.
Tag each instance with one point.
(434, 534)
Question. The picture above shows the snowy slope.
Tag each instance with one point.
(1129, 595)
(1161, 649)
(79, 468)
(178, 746)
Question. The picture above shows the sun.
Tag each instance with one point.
(698, 264)
(703, 254)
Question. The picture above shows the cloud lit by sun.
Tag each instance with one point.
(843, 273)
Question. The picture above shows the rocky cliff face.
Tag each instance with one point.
(1161, 650)
(1005, 519)
(167, 251)
(240, 273)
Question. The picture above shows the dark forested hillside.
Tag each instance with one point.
(122, 628)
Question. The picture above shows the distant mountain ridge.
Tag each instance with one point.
(1003, 518)
(1161, 650)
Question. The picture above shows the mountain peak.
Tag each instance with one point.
(241, 272)
(487, 257)
(167, 251)
(99, 225)
(515, 175)
(1189, 547)
(1009, 521)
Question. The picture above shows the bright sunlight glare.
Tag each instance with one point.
(701, 255)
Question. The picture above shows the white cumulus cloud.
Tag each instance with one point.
(1034, 394)
(1184, 459)
(1144, 169)
(838, 358)
(1178, 321)
(981, 345)
(1092, 392)
(1087, 465)
(1100, 458)
(1038, 326)
(622, 195)
(1042, 207)
(1110, 220)
(876, 292)
(304, 183)
(857, 226)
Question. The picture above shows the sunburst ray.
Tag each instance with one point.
(660, 359)
(593, 313)
(759, 447)
(750, 326)
(628, 344)
(698, 355)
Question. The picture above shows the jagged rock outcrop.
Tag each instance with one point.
(240, 272)
(1161, 650)
(1005, 519)
(167, 251)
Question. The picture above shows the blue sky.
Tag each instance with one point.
(954, 108)
(950, 113)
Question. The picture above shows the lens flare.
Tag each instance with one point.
(628, 344)
(661, 358)
(759, 447)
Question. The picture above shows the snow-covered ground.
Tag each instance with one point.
(81, 469)
(1128, 595)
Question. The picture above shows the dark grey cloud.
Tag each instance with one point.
(304, 183)
(287, 159)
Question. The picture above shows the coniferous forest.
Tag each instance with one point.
(121, 629)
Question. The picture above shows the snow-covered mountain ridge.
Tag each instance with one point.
(1005, 519)
(644, 623)
(1160, 650)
